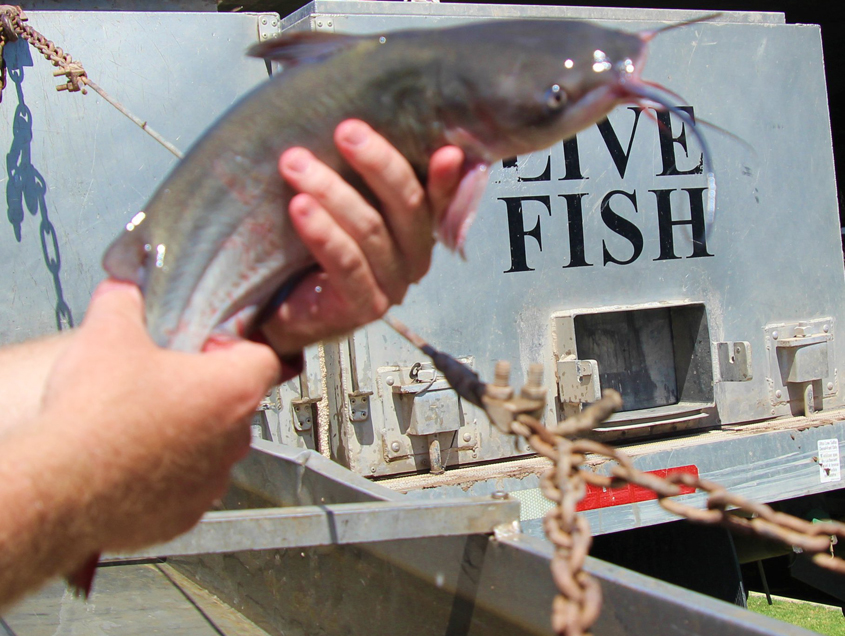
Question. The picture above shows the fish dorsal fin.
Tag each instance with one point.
(303, 47)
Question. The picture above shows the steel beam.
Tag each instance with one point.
(336, 524)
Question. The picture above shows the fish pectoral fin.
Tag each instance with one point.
(461, 211)
(302, 47)
(126, 258)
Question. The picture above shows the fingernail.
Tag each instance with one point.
(302, 205)
(217, 342)
(297, 160)
(109, 285)
(354, 134)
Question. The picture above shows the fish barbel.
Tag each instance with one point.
(215, 243)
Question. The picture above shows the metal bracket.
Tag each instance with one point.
(323, 24)
(799, 363)
(359, 406)
(269, 26)
(578, 381)
(734, 361)
(304, 413)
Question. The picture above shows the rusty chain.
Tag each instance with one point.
(12, 26)
(12, 20)
(578, 605)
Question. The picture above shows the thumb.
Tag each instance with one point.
(243, 369)
(116, 305)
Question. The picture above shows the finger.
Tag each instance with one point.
(444, 176)
(351, 212)
(345, 266)
(393, 181)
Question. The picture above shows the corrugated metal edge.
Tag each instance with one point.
(353, 7)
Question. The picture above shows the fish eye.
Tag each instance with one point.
(555, 97)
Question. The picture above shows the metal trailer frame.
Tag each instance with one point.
(463, 558)
(406, 578)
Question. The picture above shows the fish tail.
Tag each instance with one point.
(81, 580)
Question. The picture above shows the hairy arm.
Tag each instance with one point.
(130, 445)
(23, 373)
(108, 442)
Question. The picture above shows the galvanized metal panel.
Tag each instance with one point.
(374, 16)
(335, 524)
(454, 585)
(76, 169)
(773, 255)
(765, 462)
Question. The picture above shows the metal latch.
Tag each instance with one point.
(799, 361)
(734, 361)
(578, 381)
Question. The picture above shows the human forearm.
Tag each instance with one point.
(46, 530)
(23, 371)
(129, 446)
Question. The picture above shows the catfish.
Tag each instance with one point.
(214, 244)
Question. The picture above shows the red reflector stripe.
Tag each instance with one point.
(605, 497)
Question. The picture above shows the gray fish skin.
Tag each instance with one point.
(216, 241)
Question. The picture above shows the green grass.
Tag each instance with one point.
(821, 619)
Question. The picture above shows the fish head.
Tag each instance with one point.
(554, 79)
(537, 83)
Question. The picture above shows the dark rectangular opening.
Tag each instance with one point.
(654, 357)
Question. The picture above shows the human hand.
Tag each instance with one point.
(152, 432)
(368, 259)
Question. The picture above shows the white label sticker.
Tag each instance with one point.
(829, 460)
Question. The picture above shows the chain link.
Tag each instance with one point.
(577, 606)
(12, 19)
(12, 26)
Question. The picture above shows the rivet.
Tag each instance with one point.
(319, 24)
(826, 328)
(394, 446)
(830, 386)
(774, 335)
(778, 394)
(328, 23)
(373, 469)
(467, 437)
(390, 380)
(499, 494)
(263, 20)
